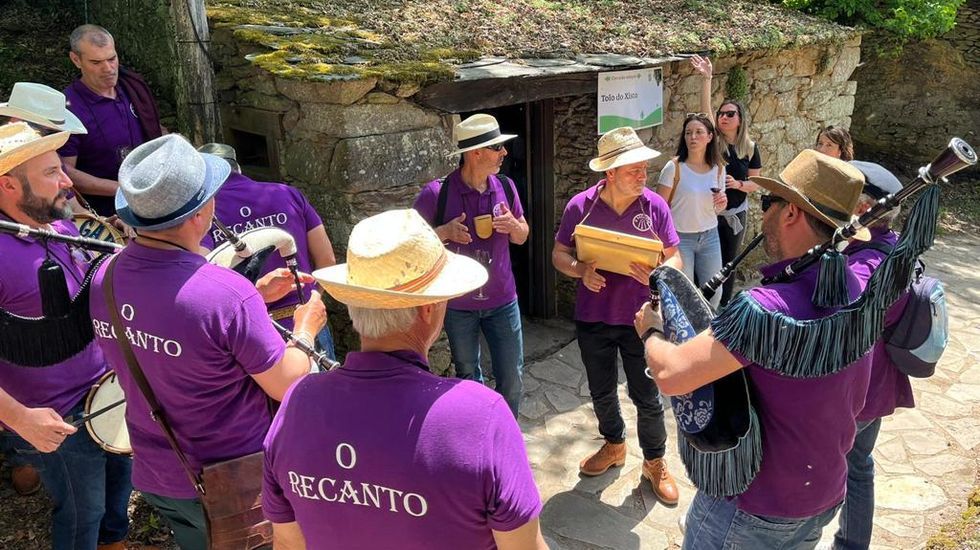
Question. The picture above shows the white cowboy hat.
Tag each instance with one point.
(619, 147)
(165, 181)
(41, 105)
(478, 131)
(20, 143)
(395, 260)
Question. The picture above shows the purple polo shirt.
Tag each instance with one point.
(113, 131)
(383, 454)
(59, 386)
(807, 423)
(889, 389)
(648, 216)
(500, 287)
(199, 332)
(243, 204)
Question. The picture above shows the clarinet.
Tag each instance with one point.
(22, 230)
(957, 156)
(318, 357)
(708, 289)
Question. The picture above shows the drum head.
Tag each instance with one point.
(93, 228)
(108, 429)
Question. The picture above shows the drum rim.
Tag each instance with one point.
(88, 425)
(117, 236)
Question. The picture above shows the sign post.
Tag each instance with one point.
(630, 98)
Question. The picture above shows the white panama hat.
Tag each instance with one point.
(478, 131)
(41, 105)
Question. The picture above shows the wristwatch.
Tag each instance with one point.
(650, 332)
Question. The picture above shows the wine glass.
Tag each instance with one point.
(483, 256)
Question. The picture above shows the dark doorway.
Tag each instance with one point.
(529, 163)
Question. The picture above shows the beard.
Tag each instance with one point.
(42, 211)
(770, 241)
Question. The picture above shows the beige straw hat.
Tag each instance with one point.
(823, 186)
(619, 147)
(478, 131)
(395, 260)
(20, 143)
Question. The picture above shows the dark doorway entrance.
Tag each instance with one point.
(529, 162)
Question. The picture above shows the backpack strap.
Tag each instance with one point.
(677, 179)
(508, 185)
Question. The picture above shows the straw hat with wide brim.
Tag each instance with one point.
(824, 187)
(395, 260)
(476, 132)
(20, 143)
(41, 105)
(619, 147)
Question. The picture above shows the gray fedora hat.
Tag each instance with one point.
(165, 181)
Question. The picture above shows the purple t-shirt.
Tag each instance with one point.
(889, 389)
(807, 423)
(500, 287)
(198, 331)
(60, 386)
(244, 204)
(648, 216)
(383, 454)
(113, 131)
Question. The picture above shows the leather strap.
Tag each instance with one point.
(677, 179)
(156, 411)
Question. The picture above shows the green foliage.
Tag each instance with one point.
(904, 20)
(737, 85)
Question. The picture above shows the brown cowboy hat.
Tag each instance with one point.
(825, 187)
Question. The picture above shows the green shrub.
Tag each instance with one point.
(902, 19)
(737, 85)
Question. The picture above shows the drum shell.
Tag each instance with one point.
(105, 429)
(93, 227)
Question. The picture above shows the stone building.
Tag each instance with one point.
(305, 100)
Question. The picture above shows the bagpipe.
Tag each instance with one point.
(720, 440)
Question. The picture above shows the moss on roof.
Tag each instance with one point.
(422, 40)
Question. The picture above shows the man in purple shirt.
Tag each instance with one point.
(477, 212)
(807, 423)
(90, 487)
(889, 388)
(200, 333)
(117, 108)
(244, 204)
(381, 453)
(606, 302)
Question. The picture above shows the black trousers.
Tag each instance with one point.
(599, 343)
(731, 245)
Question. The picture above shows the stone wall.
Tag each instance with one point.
(931, 95)
(790, 95)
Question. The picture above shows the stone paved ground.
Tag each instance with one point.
(926, 458)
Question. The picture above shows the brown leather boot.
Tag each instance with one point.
(609, 455)
(660, 480)
(25, 480)
(112, 546)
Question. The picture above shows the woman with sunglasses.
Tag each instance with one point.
(692, 184)
(836, 142)
(743, 161)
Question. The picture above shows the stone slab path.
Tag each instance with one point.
(926, 457)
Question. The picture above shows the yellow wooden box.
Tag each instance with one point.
(613, 251)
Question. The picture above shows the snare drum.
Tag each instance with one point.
(97, 228)
(108, 430)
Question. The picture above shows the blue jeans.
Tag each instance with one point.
(701, 253)
(857, 515)
(501, 326)
(90, 488)
(324, 342)
(716, 523)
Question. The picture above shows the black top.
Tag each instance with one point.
(738, 168)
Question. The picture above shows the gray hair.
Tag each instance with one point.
(378, 323)
(93, 34)
(885, 221)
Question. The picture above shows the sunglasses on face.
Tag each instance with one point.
(495, 147)
(769, 200)
(729, 114)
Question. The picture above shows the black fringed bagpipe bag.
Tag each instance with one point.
(720, 439)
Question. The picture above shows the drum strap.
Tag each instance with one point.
(156, 411)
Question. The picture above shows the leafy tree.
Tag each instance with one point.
(904, 20)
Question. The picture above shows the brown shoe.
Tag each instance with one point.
(112, 546)
(609, 455)
(660, 480)
(25, 480)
